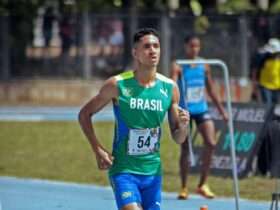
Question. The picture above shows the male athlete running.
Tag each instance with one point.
(140, 99)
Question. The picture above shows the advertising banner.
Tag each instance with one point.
(248, 120)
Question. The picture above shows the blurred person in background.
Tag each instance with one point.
(256, 63)
(66, 33)
(193, 81)
(266, 73)
(116, 38)
(48, 20)
(140, 98)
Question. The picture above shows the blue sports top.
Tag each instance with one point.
(192, 88)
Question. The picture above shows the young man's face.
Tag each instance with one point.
(192, 47)
(147, 50)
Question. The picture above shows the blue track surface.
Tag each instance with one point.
(28, 194)
(23, 113)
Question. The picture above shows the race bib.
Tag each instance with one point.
(143, 141)
(195, 94)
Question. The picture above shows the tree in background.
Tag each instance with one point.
(275, 7)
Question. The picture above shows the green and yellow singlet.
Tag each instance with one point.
(139, 113)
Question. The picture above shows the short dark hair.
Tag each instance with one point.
(189, 37)
(143, 32)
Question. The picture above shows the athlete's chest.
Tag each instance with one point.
(154, 99)
(194, 76)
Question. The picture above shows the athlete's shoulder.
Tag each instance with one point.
(164, 79)
(124, 75)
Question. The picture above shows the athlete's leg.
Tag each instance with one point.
(151, 192)
(207, 131)
(126, 192)
(184, 163)
(184, 169)
(132, 206)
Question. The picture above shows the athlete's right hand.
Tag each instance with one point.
(104, 158)
(184, 117)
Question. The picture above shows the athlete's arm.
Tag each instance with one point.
(212, 94)
(178, 118)
(107, 93)
(175, 71)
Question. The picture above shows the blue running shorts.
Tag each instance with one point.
(202, 117)
(132, 188)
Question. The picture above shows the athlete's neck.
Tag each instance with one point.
(191, 57)
(145, 76)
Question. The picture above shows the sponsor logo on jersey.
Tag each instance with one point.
(126, 195)
(163, 92)
(127, 92)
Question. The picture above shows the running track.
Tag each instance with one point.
(25, 113)
(30, 194)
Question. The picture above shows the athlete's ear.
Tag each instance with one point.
(134, 52)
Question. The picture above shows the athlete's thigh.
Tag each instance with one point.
(132, 206)
(126, 191)
(207, 130)
(151, 193)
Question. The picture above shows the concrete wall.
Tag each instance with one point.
(47, 92)
(77, 92)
